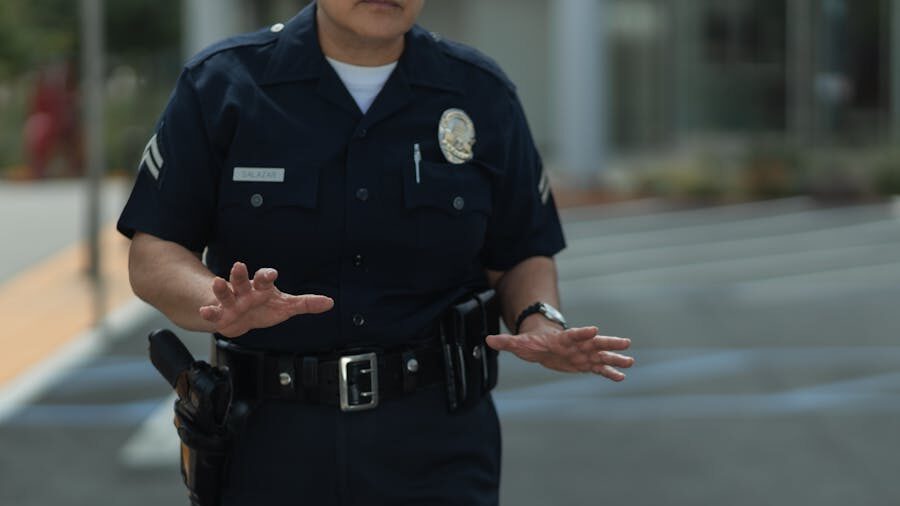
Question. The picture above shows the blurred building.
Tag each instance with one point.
(612, 78)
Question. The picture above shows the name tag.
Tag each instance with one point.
(258, 175)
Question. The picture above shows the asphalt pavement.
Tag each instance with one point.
(768, 373)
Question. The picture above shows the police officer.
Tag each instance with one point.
(385, 173)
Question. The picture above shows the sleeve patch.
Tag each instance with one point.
(544, 186)
(152, 158)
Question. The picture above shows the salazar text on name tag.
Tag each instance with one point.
(258, 174)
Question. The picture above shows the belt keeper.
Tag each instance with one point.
(409, 373)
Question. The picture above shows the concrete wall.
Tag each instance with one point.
(206, 21)
(513, 32)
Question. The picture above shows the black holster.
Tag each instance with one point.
(206, 417)
(204, 398)
(470, 364)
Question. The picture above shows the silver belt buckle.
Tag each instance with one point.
(352, 369)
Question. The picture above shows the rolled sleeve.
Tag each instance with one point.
(525, 223)
(174, 195)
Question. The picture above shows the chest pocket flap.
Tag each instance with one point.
(300, 188)
(454, 189)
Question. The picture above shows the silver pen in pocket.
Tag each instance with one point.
(417, 157)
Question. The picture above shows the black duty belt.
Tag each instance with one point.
(355, 380)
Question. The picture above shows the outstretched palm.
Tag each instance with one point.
(244, 305)
(572, 350)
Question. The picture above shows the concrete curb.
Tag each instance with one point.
(121, 323)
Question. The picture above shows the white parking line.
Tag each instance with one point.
(737, 270)
(859, 279)
(677, 366)
(698, 406)
(758, 226)
(625, 209)
(155, 443)
(604, 219)
(589, 398)
(87, 345)
(876, 232)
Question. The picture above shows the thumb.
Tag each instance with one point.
(501, 342)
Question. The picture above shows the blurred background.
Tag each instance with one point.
(727, 172)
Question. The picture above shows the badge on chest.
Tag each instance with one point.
(456, 136)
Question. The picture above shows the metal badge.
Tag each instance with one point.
(456, 135)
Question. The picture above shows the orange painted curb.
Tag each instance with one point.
(49, 305)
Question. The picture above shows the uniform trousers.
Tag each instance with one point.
(408, 451)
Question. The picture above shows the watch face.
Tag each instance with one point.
(552, 313)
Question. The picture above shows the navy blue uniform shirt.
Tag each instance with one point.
(262, 156)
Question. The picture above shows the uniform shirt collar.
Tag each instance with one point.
(298, 56)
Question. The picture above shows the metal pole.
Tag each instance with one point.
(801, 62)
(580, 92)
(206, 21)
(92, 93)
(894, 29)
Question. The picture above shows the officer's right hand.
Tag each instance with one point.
(244, 305)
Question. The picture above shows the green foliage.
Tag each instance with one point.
(143, 40)
(141, 26)
(33, 32)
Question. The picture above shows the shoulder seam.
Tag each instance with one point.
(484, 63)
(229, 44)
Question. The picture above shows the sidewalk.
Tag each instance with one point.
(46, 297)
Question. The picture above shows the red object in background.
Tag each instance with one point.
(52, 127)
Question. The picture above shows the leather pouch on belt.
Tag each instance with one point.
(470, 364)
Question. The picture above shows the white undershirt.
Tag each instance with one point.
(364, 83)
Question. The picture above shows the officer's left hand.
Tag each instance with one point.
(573, 350)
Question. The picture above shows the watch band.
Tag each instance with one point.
(542, 308)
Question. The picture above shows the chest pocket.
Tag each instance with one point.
(451, 205)
(256, 216)
(299, 189)
(453, 189)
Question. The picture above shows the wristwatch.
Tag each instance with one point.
(549, 312)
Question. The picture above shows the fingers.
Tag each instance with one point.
(264, 279)
(581, 334)
(607, 343)
(311, 304)
(223, 292)
(240, 279)
(588, 340)
(602, 360)
(568, 341)
(608, 372)
(613, 359)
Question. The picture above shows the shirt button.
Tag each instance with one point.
(362, 132)
(358, 320)
(277, 27)
(459, 203)
(256, 200)
(358, 261)
(362, 194)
